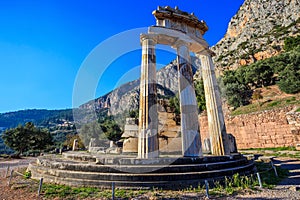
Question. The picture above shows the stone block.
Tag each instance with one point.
(130, 145)
(232, 143)
(170, 144)
(206, 147)
(298, 147)
(169, 134)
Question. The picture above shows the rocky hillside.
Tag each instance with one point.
(257, 31)
(126, 97)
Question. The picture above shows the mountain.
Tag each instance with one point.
(257, 31)
(38, 116)
(126, 97)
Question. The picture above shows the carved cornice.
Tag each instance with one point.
(183, 17)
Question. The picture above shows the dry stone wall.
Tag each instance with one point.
(271, 128)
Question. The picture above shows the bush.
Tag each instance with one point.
(237, 94)
(27, 175)
(291, 43)
(289, 80)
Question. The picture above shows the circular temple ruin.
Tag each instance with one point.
(149, 167)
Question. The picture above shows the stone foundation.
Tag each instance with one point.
(83, 169)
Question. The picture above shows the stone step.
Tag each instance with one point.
(133, 177)
(132, 160)
(125, 184)
(130, 172)
(89, 167)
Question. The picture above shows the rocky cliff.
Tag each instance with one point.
(257, 31)
(126, 97)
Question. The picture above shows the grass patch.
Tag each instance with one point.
(67, 192)
(267, 105)
(288, 152)
(227, 187)
(267, 174)
(290, 148)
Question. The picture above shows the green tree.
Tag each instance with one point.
(200, 94)
(174, 103)
(134, 114)
(237, 94)
(291, 43)
(28, 137)
(70, 140)
(91, 130)
(111, 129)
(290, 80)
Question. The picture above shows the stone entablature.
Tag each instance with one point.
(179, 20)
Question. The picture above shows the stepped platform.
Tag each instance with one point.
(84, 169)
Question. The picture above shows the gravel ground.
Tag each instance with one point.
(288, 189)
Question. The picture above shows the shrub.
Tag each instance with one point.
(291, 43)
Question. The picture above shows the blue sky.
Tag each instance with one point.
(44, 43)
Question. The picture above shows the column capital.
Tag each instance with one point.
(206, 52)
(145, 36)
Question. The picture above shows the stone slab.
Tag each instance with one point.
(130, 145)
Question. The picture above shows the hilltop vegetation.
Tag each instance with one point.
(282, 70)
(40, 117)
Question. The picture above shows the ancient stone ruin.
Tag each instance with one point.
(147, 168)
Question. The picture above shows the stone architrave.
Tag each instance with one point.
(216, 123)
(148, 114)
(191, 142)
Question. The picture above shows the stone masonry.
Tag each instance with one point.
(271, 128)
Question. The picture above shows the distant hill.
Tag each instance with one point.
(126, 97)
(39, 117)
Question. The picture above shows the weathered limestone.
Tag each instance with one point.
(183, 32)
(131, 132)
(206, 145)
(148, 119)
(170, 145)
(216, 124)
(232, 143)
(75, 145)
(92, 143)
(191, 143)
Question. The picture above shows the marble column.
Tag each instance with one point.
(191, 142)
(216, 124)
(148, 116)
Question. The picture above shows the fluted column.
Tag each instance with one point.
(191, 142)
(216, 124)
(148, 116)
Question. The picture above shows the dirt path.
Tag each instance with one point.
(14, 164)
(287, 189)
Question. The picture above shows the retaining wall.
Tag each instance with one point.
(271, 128)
